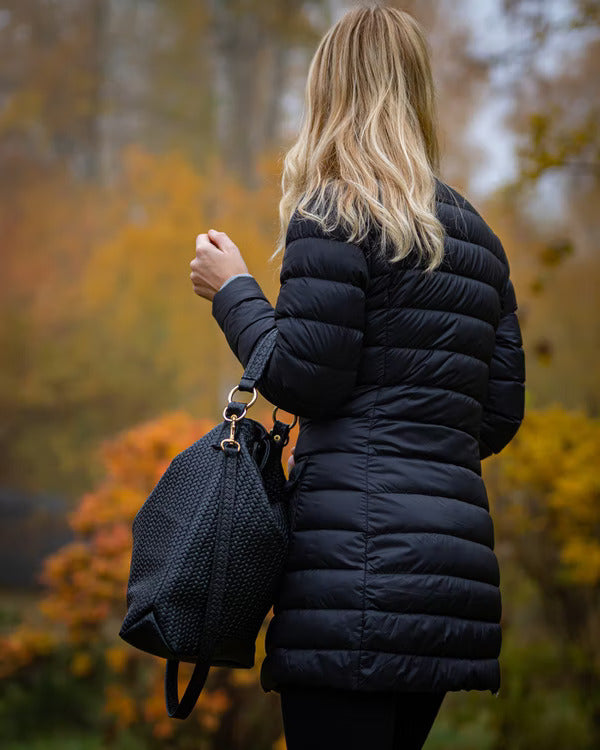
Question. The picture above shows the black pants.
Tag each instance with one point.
(325, 718)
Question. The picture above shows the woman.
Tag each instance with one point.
(399, 348)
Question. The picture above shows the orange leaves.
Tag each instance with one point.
(212, 706)
(106, 506)
(208, 712)
(136, 459)
(119, 703)
(87, 578)
(109, 544)
(23, 646)
(84, 601)
(82, 585)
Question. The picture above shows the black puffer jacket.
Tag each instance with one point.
(403, 382)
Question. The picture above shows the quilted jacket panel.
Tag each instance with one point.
(403, 382)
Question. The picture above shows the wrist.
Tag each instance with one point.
(234, 276)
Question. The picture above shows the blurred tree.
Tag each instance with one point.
(556, 281)
(49, 221)
(254, 42)
(552, 112)
(554, 108)
(545, 490)
(85, 78)
(97, 295)
(53, 57)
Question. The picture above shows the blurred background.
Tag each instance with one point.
(127, 127)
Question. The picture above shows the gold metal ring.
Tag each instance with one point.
(236, 387)
(229, 440)
(293, 423)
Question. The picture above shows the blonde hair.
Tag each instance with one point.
(368, 137)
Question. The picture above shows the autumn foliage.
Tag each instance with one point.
(544, 496)
(549, 496)
(128, 128)
(85, 586)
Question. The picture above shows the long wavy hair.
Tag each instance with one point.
(367, 153)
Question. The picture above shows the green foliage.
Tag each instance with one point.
(45, 701)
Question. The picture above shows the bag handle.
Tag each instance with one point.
(181, 709)
(258, 360)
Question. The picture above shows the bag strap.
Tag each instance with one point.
(181, 709)
(258, 360)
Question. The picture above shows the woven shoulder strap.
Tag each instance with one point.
(258, 360)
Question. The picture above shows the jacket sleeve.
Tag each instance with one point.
(320, 317)
(235, 275)
(504, 406)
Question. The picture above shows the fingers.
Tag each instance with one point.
(205, 251)
(203, 244)
(217, 258)
(221, 240)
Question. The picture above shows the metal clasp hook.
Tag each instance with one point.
(231, 439)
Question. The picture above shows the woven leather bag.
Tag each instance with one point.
(209, 545)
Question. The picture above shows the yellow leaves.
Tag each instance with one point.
(576, 499)
(539, 124)
(554, 253)
(112, 301)
(24, 106)
(245, 677)
(119, 703)
(136, 287)
(543, 350)
(23, 646)
(549, 489)
(116, 658)
(537, 455)
(555, 140)
(82, 664)
(582, 557)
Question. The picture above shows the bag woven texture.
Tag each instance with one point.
(209, 546)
